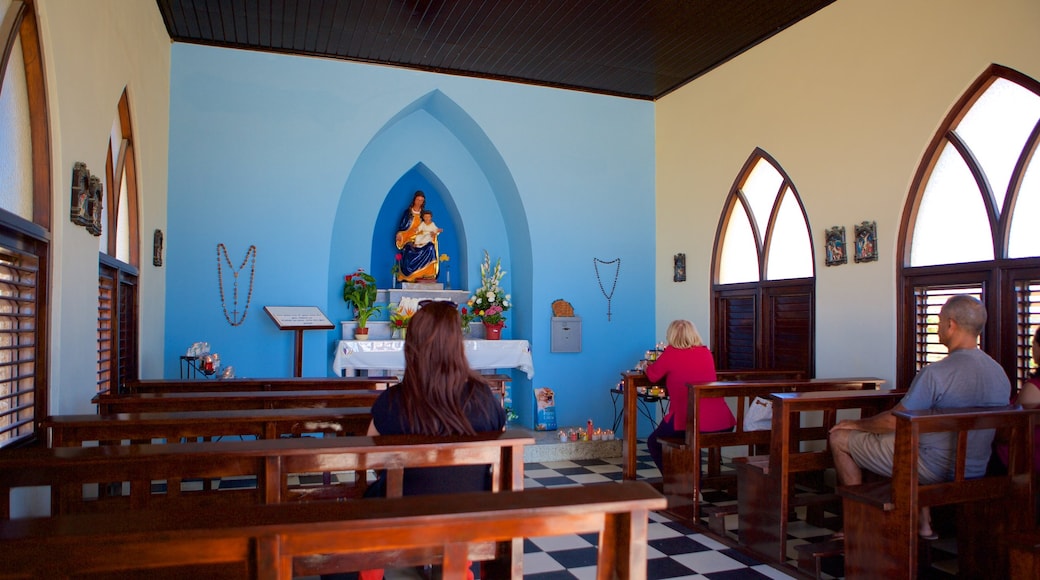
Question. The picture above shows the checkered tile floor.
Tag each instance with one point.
(674, 551)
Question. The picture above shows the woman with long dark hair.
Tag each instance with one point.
(439, 395)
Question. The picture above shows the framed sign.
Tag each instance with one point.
(299, 318)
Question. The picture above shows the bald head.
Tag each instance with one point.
(967, 312)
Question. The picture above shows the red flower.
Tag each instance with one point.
(398, 257)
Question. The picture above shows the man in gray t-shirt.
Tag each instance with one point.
(967, 377)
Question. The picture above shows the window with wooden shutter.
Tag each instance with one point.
(19, 341)
(969, 225)
(119, 255)
(764, 276)
(25, 219)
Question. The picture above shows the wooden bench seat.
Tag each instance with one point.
(881, 518)
(798, 448)
(139, 386)
(109, 404)
(67, 470)
(683, 474)
(269, 541)
(75, 430)
(497, 383)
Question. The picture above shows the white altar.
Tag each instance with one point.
(355, 355)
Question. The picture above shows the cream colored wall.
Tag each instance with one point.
(846, 101)
(92, 50)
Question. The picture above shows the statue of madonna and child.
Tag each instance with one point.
(416, 242)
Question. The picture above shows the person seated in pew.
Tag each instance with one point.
(439, 395)
(1028, 396)
(967, 377)
(685, 360)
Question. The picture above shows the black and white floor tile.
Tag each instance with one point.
(674, 551)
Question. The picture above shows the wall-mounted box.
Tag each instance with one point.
(566, 334)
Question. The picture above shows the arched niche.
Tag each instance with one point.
(433, 143)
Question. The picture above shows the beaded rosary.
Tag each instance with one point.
(617, 270)
(233, 319)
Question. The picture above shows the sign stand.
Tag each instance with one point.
(298, 319)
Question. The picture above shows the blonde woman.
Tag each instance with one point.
(685, 360)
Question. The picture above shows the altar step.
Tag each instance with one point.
(548, 447)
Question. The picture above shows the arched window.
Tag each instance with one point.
(119, 261)
(763, 291)
(25, 210)
(970, 224)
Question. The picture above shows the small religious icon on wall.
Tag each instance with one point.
(157, 248)
(679, 267)
(835, 244)
(866, 242)
(86, 203)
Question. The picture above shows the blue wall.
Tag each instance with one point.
(309, 160)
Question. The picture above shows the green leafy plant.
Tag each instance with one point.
(359, 290)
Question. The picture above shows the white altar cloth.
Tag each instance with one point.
(353, 355)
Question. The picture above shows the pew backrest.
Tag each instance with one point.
(140, 386)
(270, 462)
(75, 430)
(265, 542)
(789, 435)
(744, 393)
(109, 403)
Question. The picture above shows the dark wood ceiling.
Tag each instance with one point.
(640, 49)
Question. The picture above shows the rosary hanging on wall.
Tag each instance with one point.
(222, 257)
(617, 270)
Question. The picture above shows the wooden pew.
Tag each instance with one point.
(632, 380)
(67, 470)
(264, 542)
(109, 404)
(881, 518)
(75, 430)
(766, 483)
(497, 382)
(249, 385)
(683, 475)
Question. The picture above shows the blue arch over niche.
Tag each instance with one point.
(433, 141)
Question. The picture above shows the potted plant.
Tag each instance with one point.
(359, 289)
(490, 302)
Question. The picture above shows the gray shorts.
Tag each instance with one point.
(874, 452)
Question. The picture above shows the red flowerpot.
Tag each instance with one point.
(361, 334)
(493, 331)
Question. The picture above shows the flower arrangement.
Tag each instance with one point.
(359, 289)
(489, 302)
(403, 313)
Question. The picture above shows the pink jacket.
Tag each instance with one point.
(679, 366)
